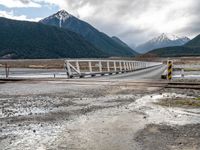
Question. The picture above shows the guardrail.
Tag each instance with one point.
(82, 68)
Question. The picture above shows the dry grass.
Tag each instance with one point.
(35, 64)
(186, 103)
(52, 64)
(191, 69)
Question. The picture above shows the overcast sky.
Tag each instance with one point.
(134, 21)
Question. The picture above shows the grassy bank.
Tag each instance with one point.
(186, 103)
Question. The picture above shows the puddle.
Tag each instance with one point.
(158, 114)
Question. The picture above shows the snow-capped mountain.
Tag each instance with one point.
(164, 40)
(62, 16)
(99, 39)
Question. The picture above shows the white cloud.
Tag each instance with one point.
(134, 20)
(18, 3)
(60, 3)
(11, 15)
(85, 11)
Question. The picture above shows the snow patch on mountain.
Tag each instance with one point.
(61, 15)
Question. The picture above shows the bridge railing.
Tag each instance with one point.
(82, 68)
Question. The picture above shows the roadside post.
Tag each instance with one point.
(170, 69)
(182, 73)
(7, 70)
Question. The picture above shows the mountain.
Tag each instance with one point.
(100, 40)
(195, 43)
(176, 51)
(192, 48)
(21, 39)
(164, 40)
(119, 41)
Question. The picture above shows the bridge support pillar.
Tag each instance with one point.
(100, 66)
(90, 66)
(68, 69)
(124, 66)
(127, 66)
(115, 68)
(77, 66)
(132, 66)
(108, 66)
(120, 66)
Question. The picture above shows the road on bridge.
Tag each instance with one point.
(149, 73)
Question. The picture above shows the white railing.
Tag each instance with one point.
(81, 68)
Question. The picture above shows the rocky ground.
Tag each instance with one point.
(185, 137)
(69, 116)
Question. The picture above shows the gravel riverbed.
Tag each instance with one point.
(54, 115)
